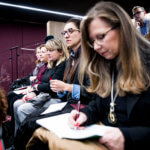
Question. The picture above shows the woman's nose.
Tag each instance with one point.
(97, 46)
(66, 35)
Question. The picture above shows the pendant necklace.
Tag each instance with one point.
(73, 62)
(112, 116)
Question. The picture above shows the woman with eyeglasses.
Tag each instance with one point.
(119, 74)
(70, 84)
(72, 38)
(116, 57)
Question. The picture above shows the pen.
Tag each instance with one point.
(76, 126)
(50, 78)
(78, 108)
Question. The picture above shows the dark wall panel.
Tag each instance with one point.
(17, 44)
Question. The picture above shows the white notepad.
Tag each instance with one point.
(55, 107)
(20, 90)
(59, 125)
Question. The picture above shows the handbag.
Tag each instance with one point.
(39, 100)
(19, 83)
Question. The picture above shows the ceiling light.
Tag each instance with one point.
(41, 10)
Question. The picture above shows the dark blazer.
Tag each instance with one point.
(85, 97)
(137, 131)
(55, 72)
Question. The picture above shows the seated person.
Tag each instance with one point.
(12, 96)
(141, 21)
(26, 81)
(57, 55)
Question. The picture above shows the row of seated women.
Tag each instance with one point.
(56, 81)
(110, 74)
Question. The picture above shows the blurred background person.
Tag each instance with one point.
(141, 20)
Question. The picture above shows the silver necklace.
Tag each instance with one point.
(112, 116)
(73, 62)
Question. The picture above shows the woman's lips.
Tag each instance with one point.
(103, 53)
(68, 41)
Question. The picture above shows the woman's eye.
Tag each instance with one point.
(100, 37)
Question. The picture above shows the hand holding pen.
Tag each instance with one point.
(50, 78)
(78, 110)
(57, 85)
(77, 118)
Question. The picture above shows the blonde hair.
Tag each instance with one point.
(132, 76)
(36, 51)
(57, 44)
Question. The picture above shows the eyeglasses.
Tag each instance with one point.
(69, 31)
(100, 37)
(137, 13)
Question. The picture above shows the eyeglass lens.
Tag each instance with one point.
(70, 31)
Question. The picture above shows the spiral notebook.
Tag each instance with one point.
(59, 125)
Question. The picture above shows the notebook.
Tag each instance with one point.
(55, 107)
(59, 125)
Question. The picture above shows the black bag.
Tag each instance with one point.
(39, 100)
(19, 83)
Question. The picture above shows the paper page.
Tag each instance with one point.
(55, 107)
(21, 88)
(20, 91)
(59, 125)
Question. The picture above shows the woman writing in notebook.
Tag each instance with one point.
(119, 74)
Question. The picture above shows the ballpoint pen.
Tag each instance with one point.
(76, 126)
(78, 108)
(50, 78)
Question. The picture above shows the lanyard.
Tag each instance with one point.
(112, 116)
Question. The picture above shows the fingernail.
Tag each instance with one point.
(76, 124)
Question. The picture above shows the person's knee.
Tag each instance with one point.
(20, 109)
(20, 113)
(24, 109)
(16, 104)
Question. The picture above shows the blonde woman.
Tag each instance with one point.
(57, 55)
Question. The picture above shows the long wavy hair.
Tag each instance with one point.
(3, 106)
(36, 51)
(57, 44)
(70, 70)
(132, 74)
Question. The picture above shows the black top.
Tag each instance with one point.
(133, 116)
(85, 96)
(55, 72)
